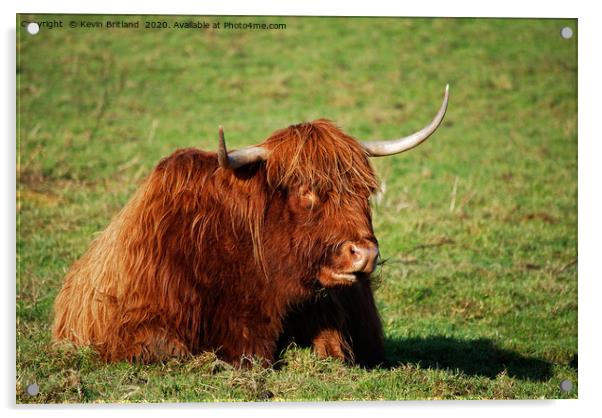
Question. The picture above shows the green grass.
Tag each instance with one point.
(478, 295)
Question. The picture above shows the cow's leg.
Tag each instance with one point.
(161, 346)
(318, 324)
(343, 323)
(330, 343)
(145, 343)
(243, 347)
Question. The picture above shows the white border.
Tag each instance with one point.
(590, 208)
(508, 8)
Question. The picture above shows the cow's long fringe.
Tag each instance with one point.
(321, 155)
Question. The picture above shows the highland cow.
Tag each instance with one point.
(239, 252)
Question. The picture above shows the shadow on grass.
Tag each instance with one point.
(472, 357)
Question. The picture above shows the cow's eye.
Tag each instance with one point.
(307, 198)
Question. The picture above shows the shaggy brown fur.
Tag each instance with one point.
(205, 258)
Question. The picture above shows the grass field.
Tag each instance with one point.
(478, 226)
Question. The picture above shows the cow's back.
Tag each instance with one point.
(124, 279)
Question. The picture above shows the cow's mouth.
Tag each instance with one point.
(350, 277)
(331, 278)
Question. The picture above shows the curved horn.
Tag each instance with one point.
(395, 146)
(238, 158)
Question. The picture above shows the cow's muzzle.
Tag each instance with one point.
(353, 258)
(361, 256)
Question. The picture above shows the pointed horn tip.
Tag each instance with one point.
(396, 146)
(220, 128)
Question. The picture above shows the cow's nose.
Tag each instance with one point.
(363, 255)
